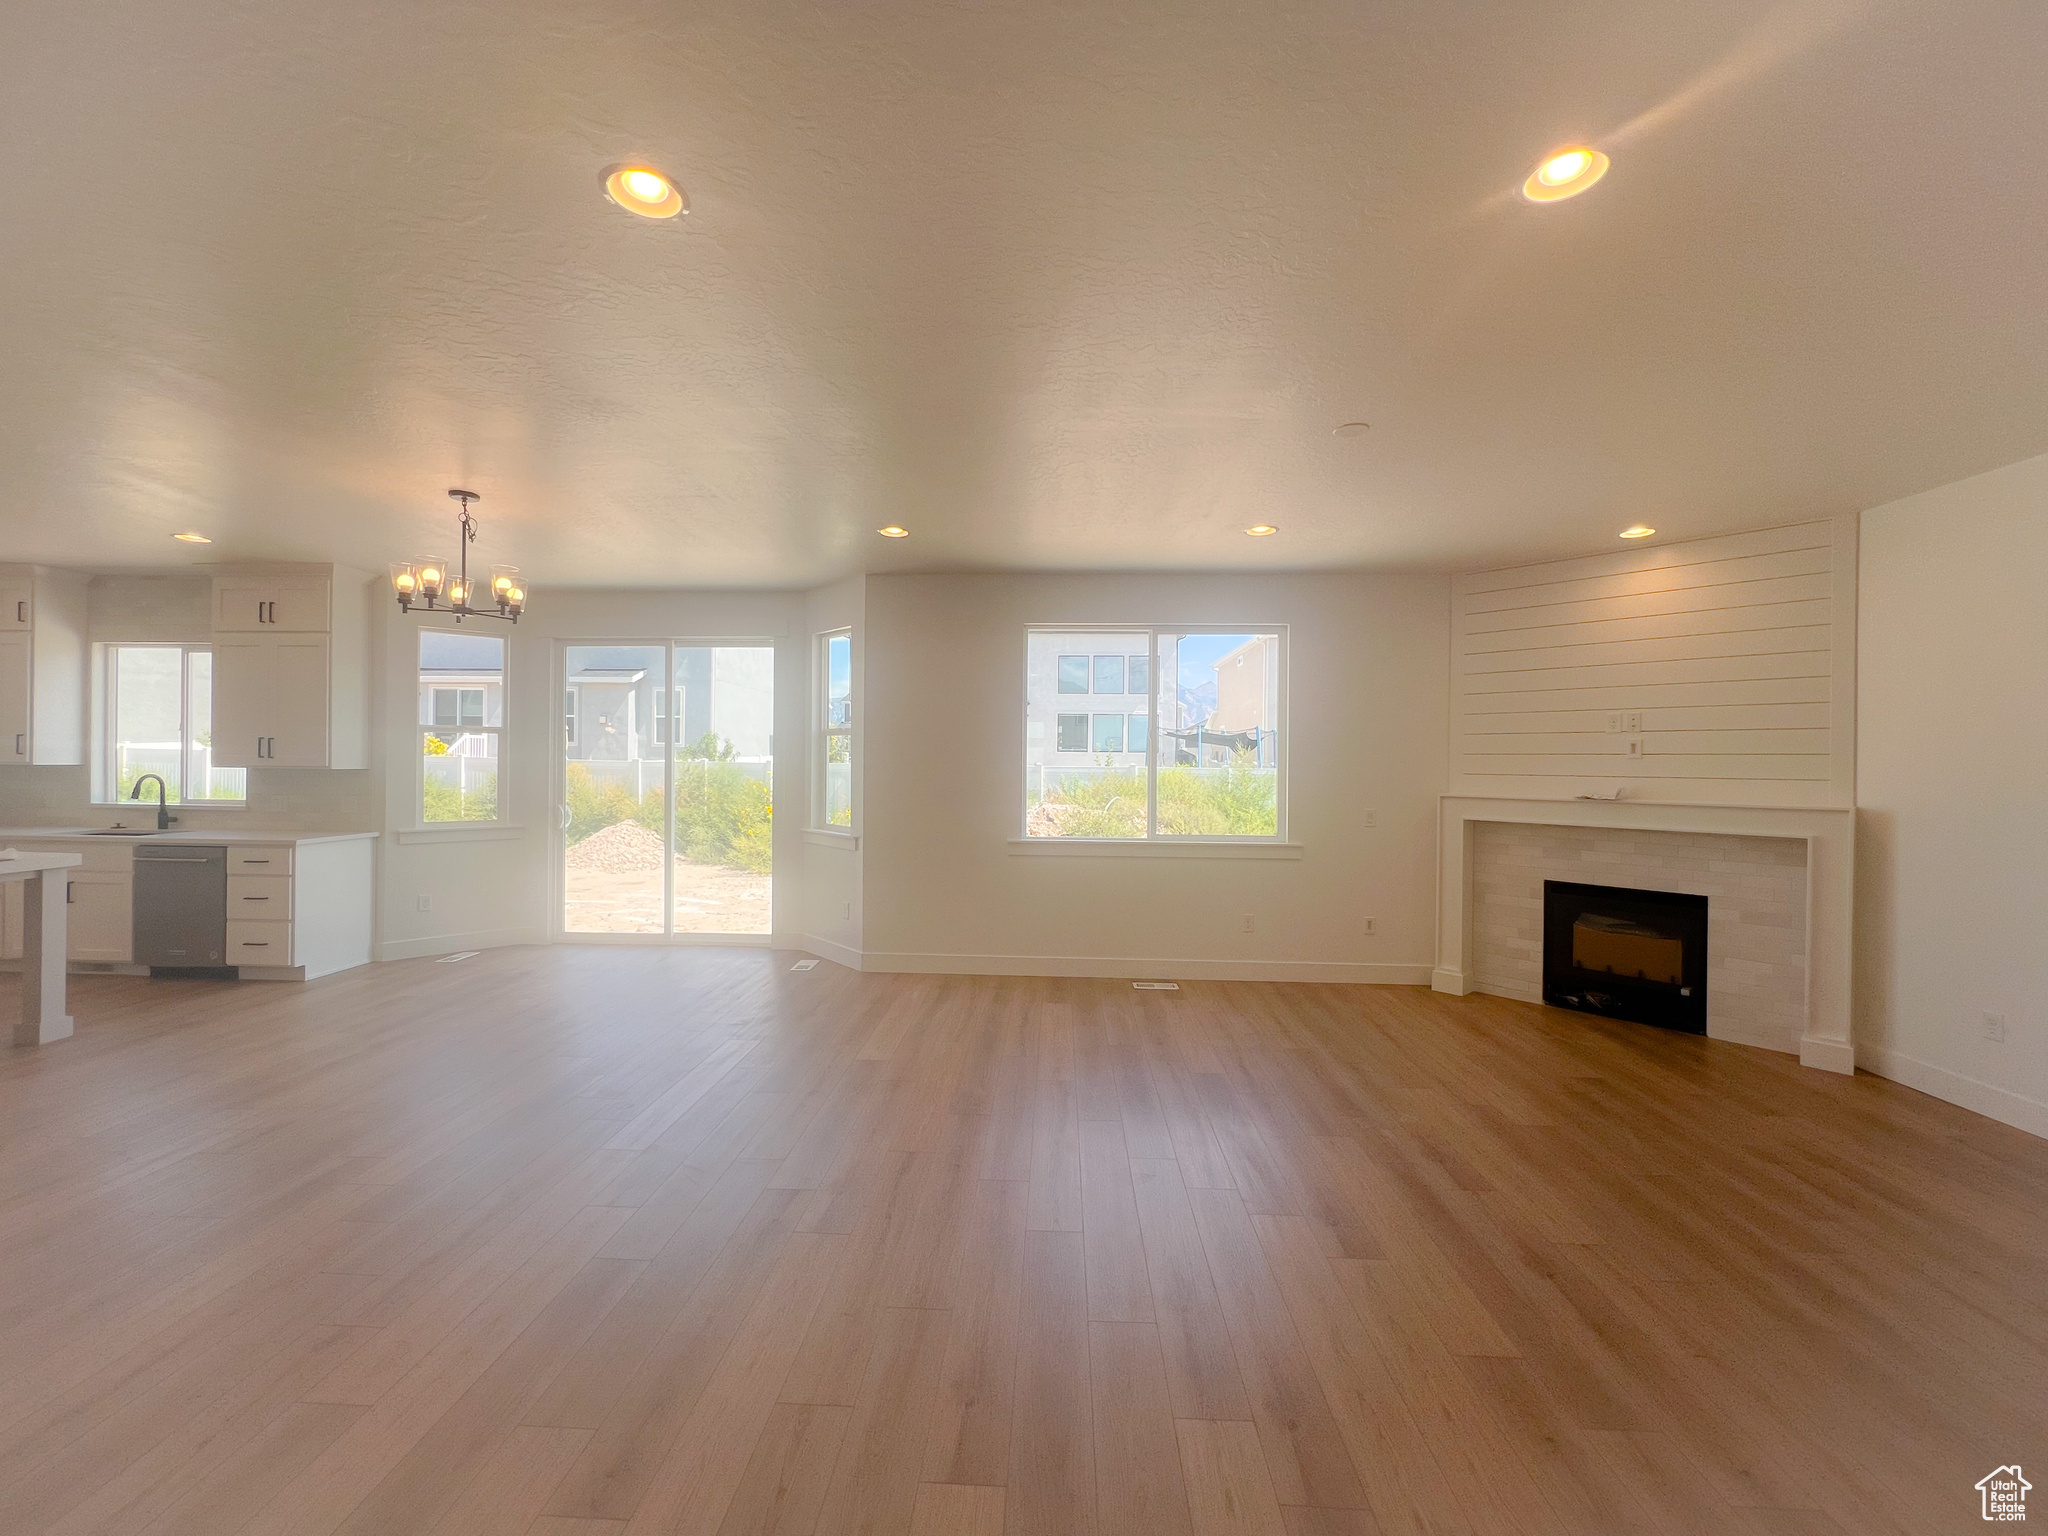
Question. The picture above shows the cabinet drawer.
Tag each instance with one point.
(259, 943)
(259, 898)
(260, 861)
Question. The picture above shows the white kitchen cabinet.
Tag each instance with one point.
(16, 599)
(15, 675)
(99, 916)
(272, 604)
(273, 701)
(296, 910)
(291, 668)
(100, 924)
(42, 666)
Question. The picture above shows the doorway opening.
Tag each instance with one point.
(667, 805)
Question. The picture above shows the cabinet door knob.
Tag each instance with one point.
(20, 744)
(21, 612)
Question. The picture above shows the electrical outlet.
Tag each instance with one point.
(1635, 746)
(847, 912)
(1994, 1026)
(423, 903)
(1616, 722)
(1371, 926)
(1248, 926)
(1372, 818)
(1634, 721)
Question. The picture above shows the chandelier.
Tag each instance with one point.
(429, 584)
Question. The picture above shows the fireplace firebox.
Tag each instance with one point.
(1625, 954)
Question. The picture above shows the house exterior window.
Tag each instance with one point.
(571, 708)
(462, 718)
(157, 717)
(833, 802)
(1191, 745)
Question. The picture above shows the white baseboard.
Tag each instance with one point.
(449, 943)
(2000, 1104)
(1826, 1054)
(1453, 982)
(1520, 991)
(826, 949)
(1119, 967)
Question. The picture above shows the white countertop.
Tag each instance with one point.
(175, 835)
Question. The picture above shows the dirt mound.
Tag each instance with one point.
(622, 848)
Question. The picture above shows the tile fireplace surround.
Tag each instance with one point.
(1780, 880)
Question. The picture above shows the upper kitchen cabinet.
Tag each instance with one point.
(42, 666)
(259, 604)
(291, 667)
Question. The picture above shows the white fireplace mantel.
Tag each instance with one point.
(1829, 835)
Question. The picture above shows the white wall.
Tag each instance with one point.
(941, 790)
(1952, 781)
(1738, 653)
(498, 885)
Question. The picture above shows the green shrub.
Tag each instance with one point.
(723, 814)
(444, 802)
(1238, 801)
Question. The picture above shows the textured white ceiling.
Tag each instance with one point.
(1057, 286)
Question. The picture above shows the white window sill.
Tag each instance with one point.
(1158, 848)
(826, 837)
(463, 832)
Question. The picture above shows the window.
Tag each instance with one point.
(1201, 760)
(572, 706)
(159, 719)
(458, 709)
(664, 711)
(835, 710)
(462, 712)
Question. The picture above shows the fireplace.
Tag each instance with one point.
(1626, 954)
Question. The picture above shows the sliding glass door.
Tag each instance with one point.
(668, 774)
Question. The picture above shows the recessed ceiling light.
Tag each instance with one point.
(1565, 173)
(191, 538)
(1640, 531)
(893, 532)
(643, 190)
(1260, 530)
(1351, 429)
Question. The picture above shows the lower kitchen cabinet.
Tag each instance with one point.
(296, 910)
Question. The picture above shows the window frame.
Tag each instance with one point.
(1152, 634)
(824, 732)
(423, 728)
(106, 776)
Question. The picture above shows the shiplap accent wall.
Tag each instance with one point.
(1738, 653)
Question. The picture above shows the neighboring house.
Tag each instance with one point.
(616, 711)
(1088, 701)
(1247, 717)
(462, 690)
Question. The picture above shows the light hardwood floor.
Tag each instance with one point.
(580, 1242)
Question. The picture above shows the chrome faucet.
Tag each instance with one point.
(163, 816)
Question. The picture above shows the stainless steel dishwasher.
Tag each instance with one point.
(181, 904)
